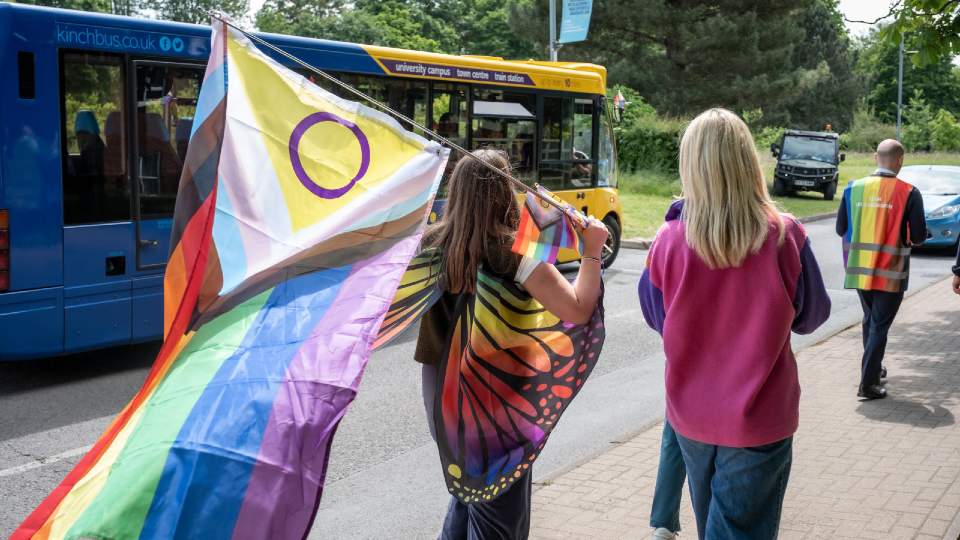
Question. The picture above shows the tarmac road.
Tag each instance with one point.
(384, 479)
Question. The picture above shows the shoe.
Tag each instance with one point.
(883, 373)
(873, 391)
(663, 534)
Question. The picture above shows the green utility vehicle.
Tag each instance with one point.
(807, 161)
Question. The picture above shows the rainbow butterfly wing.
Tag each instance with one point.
(510, 372)
(418, 290)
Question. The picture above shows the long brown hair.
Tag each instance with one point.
(479, 222)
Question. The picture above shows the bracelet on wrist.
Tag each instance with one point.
(590, 258)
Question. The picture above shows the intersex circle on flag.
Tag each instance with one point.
(302, 175)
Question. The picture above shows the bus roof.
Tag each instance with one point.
(85, 30)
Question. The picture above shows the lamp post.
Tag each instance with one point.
(554, 46)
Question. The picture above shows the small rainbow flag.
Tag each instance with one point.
(297, 215)
(544, 228)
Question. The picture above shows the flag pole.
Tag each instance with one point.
(443, 140)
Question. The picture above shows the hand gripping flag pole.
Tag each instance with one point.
(537, 190)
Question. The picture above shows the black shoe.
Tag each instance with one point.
(883, 373)
(873, 391)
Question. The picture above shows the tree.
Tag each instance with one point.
(450, 26)
(878, 64)
(198, 11)
(918, 116)
(829, 89)
(102, 6)
(687, 55)
(934, 27)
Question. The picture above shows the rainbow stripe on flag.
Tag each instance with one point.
(297, 215)
(545, 229)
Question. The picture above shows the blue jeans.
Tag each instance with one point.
(671, 473)
(737, 493)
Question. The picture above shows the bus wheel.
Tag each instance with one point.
(613, 241)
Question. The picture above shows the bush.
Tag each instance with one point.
(653, 143)
(917, 117)
(945, 132)
(866, 132)
(766, 136)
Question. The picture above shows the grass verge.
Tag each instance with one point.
(646, 194)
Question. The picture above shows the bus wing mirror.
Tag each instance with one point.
(843, 157)
(775, 149)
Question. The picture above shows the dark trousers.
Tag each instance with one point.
(671, 474)
(879, 309)
(505, 518)
(737, 493)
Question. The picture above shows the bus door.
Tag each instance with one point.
(97, 229)
(566, 149)
(165, 101)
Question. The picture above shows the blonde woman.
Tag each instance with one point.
(728, 277)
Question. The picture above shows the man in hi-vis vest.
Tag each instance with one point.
(880, 219)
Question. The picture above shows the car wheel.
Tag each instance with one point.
(613, 241)
(830, 191)
(780, 188)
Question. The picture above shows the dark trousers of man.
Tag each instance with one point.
(879, 309)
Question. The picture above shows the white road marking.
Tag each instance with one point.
(20, 469)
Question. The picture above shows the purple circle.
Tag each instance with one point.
(294, 146)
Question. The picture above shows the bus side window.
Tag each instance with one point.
(448, 114)
(95, 186)
(166, 104)
(607, 152)
(506, 120)
(26, 75)
(566, 148)
(410, 99)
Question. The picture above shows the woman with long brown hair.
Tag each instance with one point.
(475, 234)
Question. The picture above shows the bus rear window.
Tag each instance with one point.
(95, 186)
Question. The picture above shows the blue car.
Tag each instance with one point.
(940, 187)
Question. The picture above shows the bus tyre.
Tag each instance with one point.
(613, 241)
(779, 188)
(830, 191)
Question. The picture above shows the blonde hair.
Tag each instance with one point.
(727, 210)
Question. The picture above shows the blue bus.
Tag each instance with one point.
(96, 114)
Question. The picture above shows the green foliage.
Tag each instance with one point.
(102, 6)
(652, 143)
(866, 132)
(766, 136)
(197, 11)
(934, 27)
(878, 64)
(449, 26)
(945, 132)
(686, 56)
(827, 86)
(918, 117)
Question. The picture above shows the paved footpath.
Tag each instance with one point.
(880, 469)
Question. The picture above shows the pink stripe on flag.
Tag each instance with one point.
(321, 381)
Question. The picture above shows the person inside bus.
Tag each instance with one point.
(88, 166)
(91, 146)
(477, 229)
